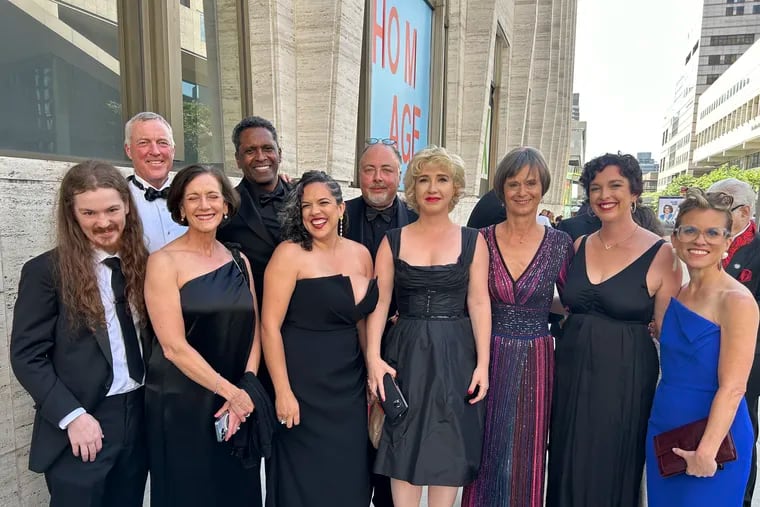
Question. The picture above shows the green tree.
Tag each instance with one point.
(751, 176)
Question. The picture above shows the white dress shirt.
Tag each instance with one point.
(158, 226)
(122, 382)
(543, 220)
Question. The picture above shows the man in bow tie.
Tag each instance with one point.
(370, 216)
(79, 333)
(743, 263)
(379, 209)
(149, 143)
(256, 227)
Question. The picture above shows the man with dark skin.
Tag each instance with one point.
(370, 216)
(262, 195)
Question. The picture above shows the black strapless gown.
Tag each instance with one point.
(188, 467)
(438, 442)
(606, 369)
(323, 462)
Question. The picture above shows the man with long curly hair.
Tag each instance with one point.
(76, 344)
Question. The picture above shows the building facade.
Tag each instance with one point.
(727, 29)
(479, 77)
(728, 119)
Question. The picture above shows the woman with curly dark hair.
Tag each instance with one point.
(621, 280)
(318, 287)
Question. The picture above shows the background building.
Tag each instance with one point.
(727, 30)
(728, 121)
(649, 170)
(574, 194)
(479, 77)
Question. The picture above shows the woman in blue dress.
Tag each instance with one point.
(706, 347)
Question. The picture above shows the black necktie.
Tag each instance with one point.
(131, 345)
(151, 194)
(277, 195)
(386, 214)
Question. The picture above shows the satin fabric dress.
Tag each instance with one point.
(432, 347)
(689, 351)
(188, 466)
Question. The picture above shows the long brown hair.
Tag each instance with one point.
(78, 284)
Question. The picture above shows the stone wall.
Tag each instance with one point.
(306, 80)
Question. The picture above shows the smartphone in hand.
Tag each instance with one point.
(222, 426)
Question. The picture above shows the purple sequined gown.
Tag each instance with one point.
(522, 368)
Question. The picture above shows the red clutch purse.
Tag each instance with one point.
(687, 437)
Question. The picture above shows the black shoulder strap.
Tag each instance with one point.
(469, 240)
(234, 249)
(394, 239)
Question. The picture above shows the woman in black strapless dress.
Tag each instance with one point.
(318, 288)
(203, 311)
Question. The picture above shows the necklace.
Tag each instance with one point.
(613, 245)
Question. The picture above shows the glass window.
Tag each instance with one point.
(201, 81)
(186, 3)
(60, 82)
(713, 60)
(756, 9)
(740, 10)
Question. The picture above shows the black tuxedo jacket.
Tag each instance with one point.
(247, 229)
(61, 365)
(487, 211)
(745, 267)
(356, 209)
(581, 224)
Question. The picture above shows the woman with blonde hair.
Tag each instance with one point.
(438, 351)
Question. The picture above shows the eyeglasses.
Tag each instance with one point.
(377, 140)
(712, 235)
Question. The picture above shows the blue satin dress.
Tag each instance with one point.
(689, 350)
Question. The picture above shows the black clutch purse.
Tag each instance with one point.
(394, 406)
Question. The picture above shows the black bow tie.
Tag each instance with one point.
(276, 196)
(151, 194)
(386, 214)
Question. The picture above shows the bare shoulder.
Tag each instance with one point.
(161, 259)
(735, 297)
(287, 250)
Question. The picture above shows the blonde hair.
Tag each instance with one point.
(434, 155)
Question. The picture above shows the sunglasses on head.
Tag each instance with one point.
(378, 140)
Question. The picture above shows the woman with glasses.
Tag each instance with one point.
(438, 350)
(707, 346)
(606, 365)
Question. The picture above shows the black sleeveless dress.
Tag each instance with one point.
(438, 442)
(323, 462)
(188, 466)
(605, 375)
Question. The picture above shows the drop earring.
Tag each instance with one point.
(340, 227)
